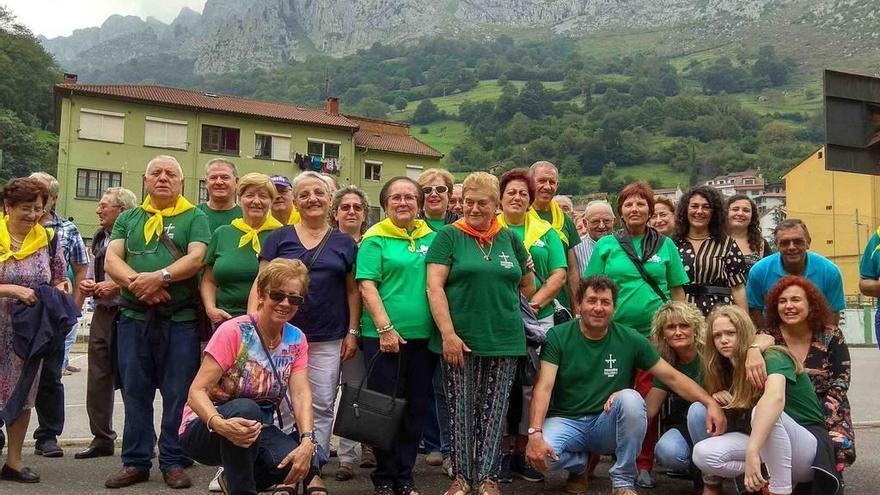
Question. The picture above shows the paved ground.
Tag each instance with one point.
(70, 476)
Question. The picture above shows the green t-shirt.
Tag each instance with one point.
(574, 239)
(435, 224)
(548, 254)
(801, 402)
(483, 295)
(216, 218)
(591, 370)
(401, 278)
(183, 229)
(692, 370)
(637, 302)
(235, 268)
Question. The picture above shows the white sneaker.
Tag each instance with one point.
(214, 485)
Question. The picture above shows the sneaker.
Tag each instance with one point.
(368, 458)
(73, 369)
(644, 479)
(504, 473)
(214, 485)
(434, 458)
(48, 448)
(576, 484)
(458, 487)
(524, 470)
(447, 467)
(489, 487)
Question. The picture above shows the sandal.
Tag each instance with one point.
(458, 487)
(344, 472)
(284, 490)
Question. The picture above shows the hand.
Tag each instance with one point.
(24, 294)
(349, 347)
(536, 307)
(390, 342)
(87, 286)
(609, 402)
(241, 432)
(453, 350)
(754, 481)
(716, 421)
(722, 398)
(106, 289)
(756, 369)
(159, 297)
(530, 263)
(217, 315)
(144, 284)
(300, 460)
(538, 451)
(65, 286)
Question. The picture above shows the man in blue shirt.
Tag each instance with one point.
(794, 258)
(869, 274)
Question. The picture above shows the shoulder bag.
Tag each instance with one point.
(204, 324)
(649, 248)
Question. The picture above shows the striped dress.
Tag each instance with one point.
(717, 263)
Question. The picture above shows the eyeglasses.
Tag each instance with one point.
(403, 198)
(435, 189)
(30, 209)
(793, 242)
(349, 207)
(293, 299)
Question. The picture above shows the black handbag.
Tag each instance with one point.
(367, 416)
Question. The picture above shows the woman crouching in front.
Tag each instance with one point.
(250, 364)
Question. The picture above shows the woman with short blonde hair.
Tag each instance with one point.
(436, 185)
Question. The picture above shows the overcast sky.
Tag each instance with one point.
(60, 17)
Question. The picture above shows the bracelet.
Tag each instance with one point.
(387, 328)
(354, 331)
(208, 423)
(754, 346)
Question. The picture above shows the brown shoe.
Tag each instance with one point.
(624, 491)
(458, 487)
(489, 487)
(345, 471)
(176, 478)
(576, 484)
(127, 476)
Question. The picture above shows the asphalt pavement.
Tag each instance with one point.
(67, 475)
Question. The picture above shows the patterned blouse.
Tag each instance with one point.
(718, 263)
(828, 365)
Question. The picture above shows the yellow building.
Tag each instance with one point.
(841, 209)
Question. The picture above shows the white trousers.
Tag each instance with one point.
(324, 362)
(352, 373)
(788, 455)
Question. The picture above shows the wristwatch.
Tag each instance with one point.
(166, 276)
(532, 431)
(307, 434)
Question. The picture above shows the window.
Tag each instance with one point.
(374, 215)
(272, 147)
(748, 181)
(164, 133)
(373, 171)
(91, 184)
(203, 192)
(101, 126)
(324, 149)
(414, 171)
(220, 140)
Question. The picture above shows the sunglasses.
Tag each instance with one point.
(435, 189)
(348, 207)
(293, 299)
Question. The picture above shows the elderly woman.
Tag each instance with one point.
(712, 260)
(663, 219)
(799, 323)
(251, 364)
(29, 257)
(677, 334)
(744, 227)
(648, 269)
(397, 325)
(436, 185)
(476, 270)
(332, 306)
(231, 263)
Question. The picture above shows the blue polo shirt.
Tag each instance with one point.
(822, 272)
(869, 268)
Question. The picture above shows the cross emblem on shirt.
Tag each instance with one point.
(504, 257)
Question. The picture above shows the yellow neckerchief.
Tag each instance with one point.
(251, 235)
(535, 227)
(155, 225)
(386, 228)
(295, 217)
(36, 239)
(557, 220)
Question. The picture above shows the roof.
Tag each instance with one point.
(772, 195)
(395, 143)
(198, 100)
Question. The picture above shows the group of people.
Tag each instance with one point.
(524, 336)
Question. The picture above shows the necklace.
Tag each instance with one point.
(274, 343)
(487, 255)
(699, 238)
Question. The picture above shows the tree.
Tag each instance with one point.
(371, 107)
(426, 113)
(534, 101)
(520, 129)
(25, 149)
(609, 181)
(400, 103)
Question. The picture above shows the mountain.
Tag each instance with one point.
(234, 36)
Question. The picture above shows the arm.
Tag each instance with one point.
(241, 432)
(757, 317)
(550, 289)
(208, 291)
(654, 401)
(184, 268)
(300, 458)
(389, 341)
(738, 293)
(349, 344)
(716, 422)
(764, 416)
(572, 275)
(677, 294)
(254, 295)
(838, 379)
(756, 367)
(870, 288)
(527, 285)
(453, 347)
(115, 265)
(79, 274)
(538, 450)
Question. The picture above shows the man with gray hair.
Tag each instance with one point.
(599, 216)
(50, 392)
(221, 181)
(101, 375)
(154, 254)
(565, 203)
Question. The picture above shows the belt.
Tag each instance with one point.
(706, 290)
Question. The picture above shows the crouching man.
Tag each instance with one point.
(588, 365)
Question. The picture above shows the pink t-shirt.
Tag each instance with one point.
(246, 370)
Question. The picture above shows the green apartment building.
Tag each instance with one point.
(108, 133)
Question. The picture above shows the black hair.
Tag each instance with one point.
(717, 221)
(754, 228)
(597, 283)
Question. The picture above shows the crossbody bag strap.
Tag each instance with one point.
(631, 254)
(319, 249)
(274, 369)
(170, 246)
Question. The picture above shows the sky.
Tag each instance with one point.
(53, 18)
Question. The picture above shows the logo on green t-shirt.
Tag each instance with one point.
(610, 370)
(505, 260)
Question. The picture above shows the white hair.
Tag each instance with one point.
(304, 176)
(124, 198)
(543, 164)
(51, 182)
(598, 203)
(165, 159)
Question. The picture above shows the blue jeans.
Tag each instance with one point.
(697, 422)
(140, 379)
(619, 431)
(673, 451)
(436, 434)
(69, 340)
(877, 326)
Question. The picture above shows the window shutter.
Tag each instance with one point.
(280, 148)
